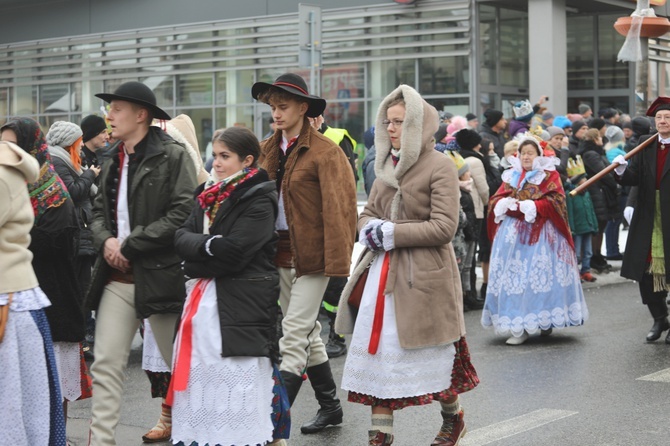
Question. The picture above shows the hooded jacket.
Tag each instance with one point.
(604, 193)
(421, 196)
(16, 218)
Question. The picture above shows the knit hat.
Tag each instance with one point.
(369, 137)
(91, 126)
(492, 117)
(523, 110)
(562, 122)
(457, 123)
(583, 108)
(470, 117)
(545, 135)
(597, 123)
(553, 131)
(468, 139)
(547, 115)
(461, 165)
(441, 132)
(614, 134)
(444, 115)
(576, 126)
(63, 134)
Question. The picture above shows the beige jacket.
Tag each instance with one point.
(480, 192)
(421, 196)
(16, 218)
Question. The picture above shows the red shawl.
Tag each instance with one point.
(549, 198)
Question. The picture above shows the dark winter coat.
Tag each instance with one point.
(581, 214)
(641, 126)
(81, 187)
(247, 281)
(563, 154)
(369, 169)
(604, 193)
(159, 201)
(498, 139)
(54, 240)
(573, 146)
(641, 172)
(470, 225)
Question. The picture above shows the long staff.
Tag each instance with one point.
(612, 166)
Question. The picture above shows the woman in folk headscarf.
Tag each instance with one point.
(404, 353)
(534, 282)
(30, 397)
(54, 244)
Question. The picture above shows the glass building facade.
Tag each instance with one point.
(461, 55)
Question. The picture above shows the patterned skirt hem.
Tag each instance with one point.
(463, 378)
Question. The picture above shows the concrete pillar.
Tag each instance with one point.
(547, 49)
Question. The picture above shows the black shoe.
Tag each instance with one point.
(336, 346)
(660, 325)
(471, 301)
(325, 390)
(292, 382)
(616, 257)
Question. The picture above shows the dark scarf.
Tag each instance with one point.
(48, 191)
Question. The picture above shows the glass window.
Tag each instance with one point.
(575, 101)
(56, 98)
(4, 103)
(611, 74)
(581, 69)
(513, 40)
(456, 106)
(343, 82)
(619, 102)
(386, 75)
(194, 89)
(24, 101)
(202, 121)
(488, 42)
(444, 75)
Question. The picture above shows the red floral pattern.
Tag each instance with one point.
(211, 198)
(463, 378)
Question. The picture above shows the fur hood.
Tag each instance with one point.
(420, 124)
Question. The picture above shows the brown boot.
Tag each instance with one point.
(452, 430)
(377, 438)
(162, 431)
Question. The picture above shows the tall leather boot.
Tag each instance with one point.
(659, 311)
(325, 391)
(336, 346)
(292, 382)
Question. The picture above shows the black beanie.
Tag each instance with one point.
(597, 123)
(91, 126)
(441, 133)
(577, 125)
(467, 139)
(492, 117)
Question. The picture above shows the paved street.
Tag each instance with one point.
(597, 385)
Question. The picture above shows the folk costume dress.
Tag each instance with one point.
(534, 281)
(54, 244)
(408, 346)
(31, 409)
(219, 397)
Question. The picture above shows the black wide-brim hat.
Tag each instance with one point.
(137, 93)
(296, 85)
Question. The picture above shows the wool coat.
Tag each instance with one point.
(319, 196)
(247, 281)
(480, 190)
(641, 172)
(16, 218)
(159, 201)
(421, 196)
(604, 193)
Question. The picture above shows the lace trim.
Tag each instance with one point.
(69, 369)
(27, 300)
(558, 317)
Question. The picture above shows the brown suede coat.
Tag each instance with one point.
(421, 196)
(319, 196)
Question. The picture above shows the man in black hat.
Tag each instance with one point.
(95, 139)
(146, 193)
(645, 259)
(493, 128)
(317, 228)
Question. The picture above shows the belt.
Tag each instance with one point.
(284, 256)
(119, 276)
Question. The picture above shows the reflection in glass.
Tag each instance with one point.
(581, 48)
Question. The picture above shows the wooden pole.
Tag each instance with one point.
(613, 166)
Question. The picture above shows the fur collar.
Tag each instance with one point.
(420, 124)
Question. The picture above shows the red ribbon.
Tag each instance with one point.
(182, 363)
(378, 320)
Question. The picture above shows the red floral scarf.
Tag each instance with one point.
(211, 198)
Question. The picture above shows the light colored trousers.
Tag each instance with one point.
(300, 301)
(115, 328)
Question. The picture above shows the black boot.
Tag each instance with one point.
(482, 293)
(470, 300)
(659, 311)
(325, 391)
(335, 346)
(292, 382)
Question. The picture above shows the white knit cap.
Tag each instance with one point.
(63, 134)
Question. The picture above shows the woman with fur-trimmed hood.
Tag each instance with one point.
(408, 346)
